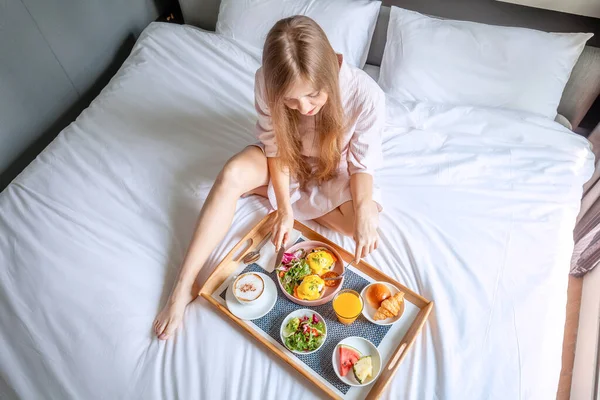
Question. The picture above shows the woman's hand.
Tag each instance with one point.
(366, 215)
(282, 229)
(366, 222)
(284, 218)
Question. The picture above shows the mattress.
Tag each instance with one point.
(479, 210)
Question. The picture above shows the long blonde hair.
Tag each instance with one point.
(297, 48)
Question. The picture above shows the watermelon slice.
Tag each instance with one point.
(348, 357)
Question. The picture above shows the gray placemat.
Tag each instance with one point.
(320, 361)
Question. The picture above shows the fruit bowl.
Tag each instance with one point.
(328, 292)
(362, 347)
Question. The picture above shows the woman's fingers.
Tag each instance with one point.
(365, 244)
(285, 239)
(364, 248)
(371, 247)
(279, 240)
(274, 236)
(281, 237)
(357, 253)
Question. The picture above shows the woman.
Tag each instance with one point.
(319, 126)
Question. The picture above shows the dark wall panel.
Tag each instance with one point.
(85, 35)
(33, 85)
(55, 57)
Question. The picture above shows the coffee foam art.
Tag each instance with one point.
(249, 287)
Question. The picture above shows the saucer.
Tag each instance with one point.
(259, 307)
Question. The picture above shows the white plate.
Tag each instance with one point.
(369, 312)
(258, 308)
(299, 314)
(367, 349)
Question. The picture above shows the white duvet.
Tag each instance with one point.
(479, 210)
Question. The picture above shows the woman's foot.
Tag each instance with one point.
(169, 319)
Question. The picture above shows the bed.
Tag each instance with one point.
(480, 205)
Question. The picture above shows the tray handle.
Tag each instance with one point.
(231, 260)
(398, 355)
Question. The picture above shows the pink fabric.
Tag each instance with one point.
(363, 102)
(586, 253)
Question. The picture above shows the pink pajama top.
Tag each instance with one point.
(364, 103)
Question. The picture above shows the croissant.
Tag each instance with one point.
(390, 307)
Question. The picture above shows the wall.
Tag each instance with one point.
(55, 56)
(589, 8)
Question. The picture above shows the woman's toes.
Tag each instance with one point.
(166, 333)
(160, 328)
(168, 320)
(170, 328)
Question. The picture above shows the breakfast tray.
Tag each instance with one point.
(392, 341)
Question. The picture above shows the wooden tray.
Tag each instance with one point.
(231, 262)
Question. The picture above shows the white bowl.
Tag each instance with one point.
(299, 314)
(367, 349)
(369, 312)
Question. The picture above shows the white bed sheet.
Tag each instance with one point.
(373, 71)
(479, 209)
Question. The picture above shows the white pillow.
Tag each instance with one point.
(349, 24)
(465, 63)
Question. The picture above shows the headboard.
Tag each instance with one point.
(581, 90)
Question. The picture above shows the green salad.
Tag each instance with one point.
(292, 270)
(304, 334)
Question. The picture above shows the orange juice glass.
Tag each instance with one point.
(347, 305)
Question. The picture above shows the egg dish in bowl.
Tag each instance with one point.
(303, 269)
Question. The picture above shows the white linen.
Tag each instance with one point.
(372, 71)
(349, 24)
(480, 210)
(466, 63)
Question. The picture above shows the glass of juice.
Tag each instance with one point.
(347, 305)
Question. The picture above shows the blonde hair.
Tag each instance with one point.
(297, 48)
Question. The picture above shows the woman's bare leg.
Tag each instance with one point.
(261, 191)
(340, 220)
(245, 171)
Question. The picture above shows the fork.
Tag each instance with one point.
(334, 278)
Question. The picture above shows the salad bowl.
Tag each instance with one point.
(303, 331)
(296, 271)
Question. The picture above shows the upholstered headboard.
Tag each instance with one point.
(581, 90)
